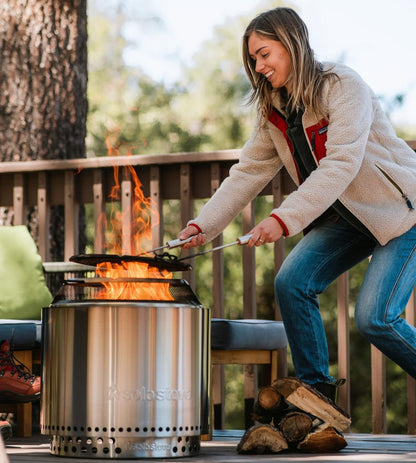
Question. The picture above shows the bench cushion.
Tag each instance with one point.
(247, 334)
(26, 333)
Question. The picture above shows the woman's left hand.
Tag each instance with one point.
(267, 231)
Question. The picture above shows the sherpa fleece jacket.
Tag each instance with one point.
(360, 161)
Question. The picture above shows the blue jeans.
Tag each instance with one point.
(327, 251)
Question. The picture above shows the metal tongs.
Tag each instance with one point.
(240, 241)
(169, 245)
(178, 242)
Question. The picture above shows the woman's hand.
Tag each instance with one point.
(267, 231)
(190, 230)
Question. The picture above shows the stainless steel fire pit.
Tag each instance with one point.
(123, 378)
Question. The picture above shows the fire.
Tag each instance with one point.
(119, 288)
(141, 216)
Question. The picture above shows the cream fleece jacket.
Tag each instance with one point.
(367, 167)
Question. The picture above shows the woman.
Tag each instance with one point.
(355, 197)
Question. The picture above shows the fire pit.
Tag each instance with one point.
(122, 377)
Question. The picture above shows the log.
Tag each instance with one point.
(309, 400)
(268, 405)
(324, 439)
(269, 398)
(261, 439)
(295, 426)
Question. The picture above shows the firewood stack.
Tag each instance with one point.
(291, 415)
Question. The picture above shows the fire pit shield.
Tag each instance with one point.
(124, 378)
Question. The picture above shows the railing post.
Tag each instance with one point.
(71, 216)
(411, 382)
(156, 207)
(43, 215)
(126, 210)
(249, 307)
(217, 257)
(18, 199)
(378, 391)
(279, 255)
(249, 267)
(187, 209)
(99, 212)
(218, 378)
(344, 341)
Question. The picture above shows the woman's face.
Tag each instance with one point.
(272, 60)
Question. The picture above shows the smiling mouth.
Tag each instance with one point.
(268, 74)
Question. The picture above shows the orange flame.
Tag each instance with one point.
(133, 290)
(141, 216)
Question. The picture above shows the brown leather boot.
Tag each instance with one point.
(17, 384)
(5, 429)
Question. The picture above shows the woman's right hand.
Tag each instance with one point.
(197, 240)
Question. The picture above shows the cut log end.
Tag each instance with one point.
(261, 439)
(325, 439)
(269, 397)
(295, 426)
(269, 404)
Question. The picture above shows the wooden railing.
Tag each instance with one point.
(185, 177)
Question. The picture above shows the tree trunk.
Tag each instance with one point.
(43, 85)
(43, 79)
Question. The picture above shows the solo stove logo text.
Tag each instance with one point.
(148, 395)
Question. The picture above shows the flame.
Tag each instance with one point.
(142, 215)
(133, 290)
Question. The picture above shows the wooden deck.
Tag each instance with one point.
(361, 448)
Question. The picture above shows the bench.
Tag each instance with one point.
(244, 342)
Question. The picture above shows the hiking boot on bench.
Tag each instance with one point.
(17, 383)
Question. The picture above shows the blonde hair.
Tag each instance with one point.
(285, 25)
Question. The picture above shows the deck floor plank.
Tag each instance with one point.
(361, 448)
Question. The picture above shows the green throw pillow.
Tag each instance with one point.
(23, 290)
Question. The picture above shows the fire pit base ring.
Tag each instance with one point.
(125, 447)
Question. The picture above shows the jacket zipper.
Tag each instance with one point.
(395, 184)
